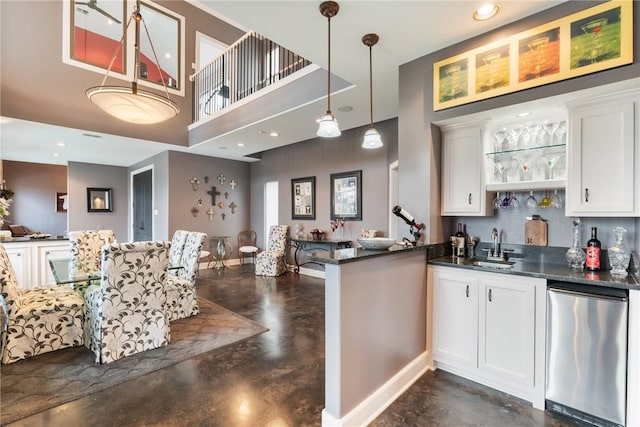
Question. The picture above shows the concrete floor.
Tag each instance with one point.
(276, 379)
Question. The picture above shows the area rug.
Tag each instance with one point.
(51, 379)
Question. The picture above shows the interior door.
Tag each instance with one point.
(142, 206)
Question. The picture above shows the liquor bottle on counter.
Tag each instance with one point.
(592, 262)
(460, 241)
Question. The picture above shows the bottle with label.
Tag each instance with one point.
(592, 262)
(460, 241)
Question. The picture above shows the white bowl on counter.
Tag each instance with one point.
(376, 243)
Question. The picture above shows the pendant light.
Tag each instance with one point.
(130, 103)
(371, 136)
(328, 127)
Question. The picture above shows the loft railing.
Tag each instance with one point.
(252, 63)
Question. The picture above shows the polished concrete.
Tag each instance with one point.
(276, 379)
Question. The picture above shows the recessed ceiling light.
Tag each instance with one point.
(274, 134)
(60, 144)
(240, 144)
(345, 108)
(55, 154)
(167, 55)
(525, 114)
(486, 11)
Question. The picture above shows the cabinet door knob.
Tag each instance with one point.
(469, 198)
(467, 292)
(489, 294)
(586, 195)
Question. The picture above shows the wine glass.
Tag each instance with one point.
(505, 201)
(555, 201)
(550, 162)
(513, 201)
(531, 202)
(525, 167)
(514, 136)
(497, 202)
(498, 140)
(561, 131)
(545, 202)
(501, 167)
(551, 128)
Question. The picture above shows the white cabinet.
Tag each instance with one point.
(30, 260)
(44, 254)
(506, 329)
(604, 156)
(20, 257)
(463, 190)
(455, 320)
(489, 327)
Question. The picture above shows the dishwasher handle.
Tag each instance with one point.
(588, 294)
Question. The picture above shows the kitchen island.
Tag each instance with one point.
(375, 330)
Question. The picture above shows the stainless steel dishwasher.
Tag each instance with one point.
(587, 352)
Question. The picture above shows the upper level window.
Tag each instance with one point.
(93, 31)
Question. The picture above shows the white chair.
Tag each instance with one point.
(85, 248)
(39, 320)
(271, 262)
(181, 283)
(126, 312)
(247, 245)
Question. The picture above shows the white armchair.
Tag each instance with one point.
(126, 313)
(39, 320)
(181, 283)
(271, 262)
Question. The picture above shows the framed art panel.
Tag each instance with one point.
(346, 196)
(99, 200)
(303, 198)
(592, 40)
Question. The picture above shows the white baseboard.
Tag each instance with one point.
(379, 400)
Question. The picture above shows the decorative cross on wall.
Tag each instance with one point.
(221, 178)
(233, 207)
(213, 193)
(233, 184)
(226, 194)
(194, 182)
(210, 214)
(223, 215)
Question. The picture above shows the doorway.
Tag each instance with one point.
(270, 208)
(142, 205)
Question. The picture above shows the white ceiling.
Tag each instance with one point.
(407, 30)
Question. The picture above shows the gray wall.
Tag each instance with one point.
(85, 175)
(182, 168)
(34, 202)
(420, 140)
(160, 165)
(320, 157)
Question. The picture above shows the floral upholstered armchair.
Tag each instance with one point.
(85, 250)
(40, 320)
(181, 283)
(126, 313)
(271, 262)
(177, 247)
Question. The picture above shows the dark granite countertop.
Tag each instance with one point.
(342, 256)
(548, 271)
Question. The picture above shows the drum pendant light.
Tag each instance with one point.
(130, 103)
(328, 127)
(371, 136)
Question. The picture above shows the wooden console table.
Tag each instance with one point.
(305, 245)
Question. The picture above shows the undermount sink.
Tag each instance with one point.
(502, 265)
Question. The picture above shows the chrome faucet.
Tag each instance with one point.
(495, 236)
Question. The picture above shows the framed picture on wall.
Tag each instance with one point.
(303, 198)
(346, 196)
(61, 202)
(99, 200)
